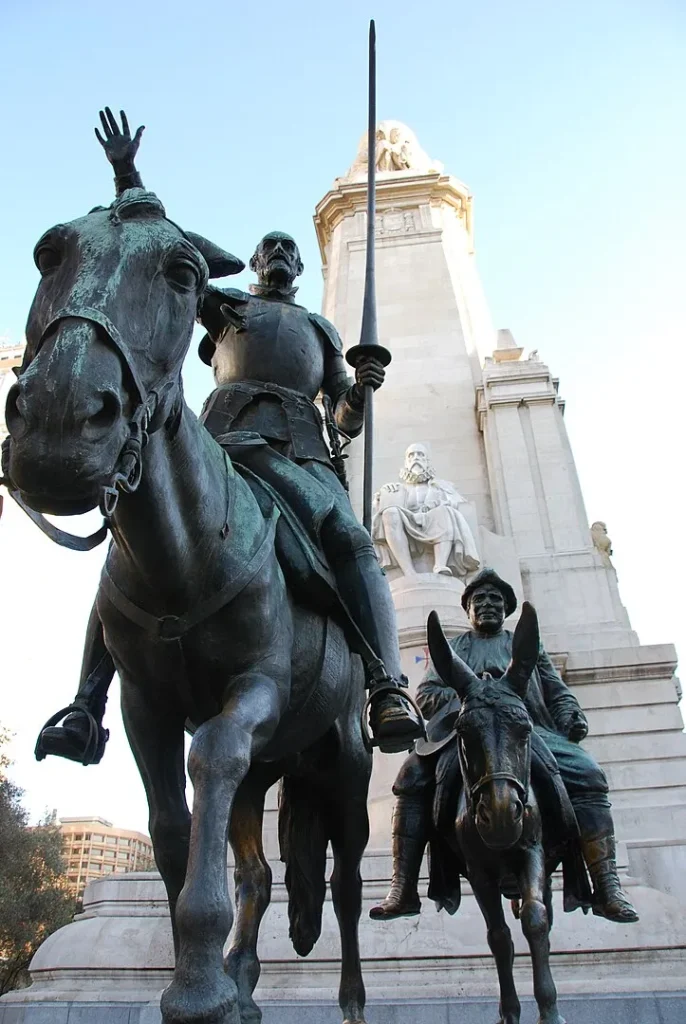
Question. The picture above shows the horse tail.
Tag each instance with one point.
(303, 840)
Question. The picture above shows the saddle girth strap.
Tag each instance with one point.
(173, 627)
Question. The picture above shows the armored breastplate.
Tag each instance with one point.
(278, 345)
(268, 372)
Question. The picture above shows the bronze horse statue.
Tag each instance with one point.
(196, 612)
(499, 833)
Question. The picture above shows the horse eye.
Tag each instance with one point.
(47, 258)
(183, 275)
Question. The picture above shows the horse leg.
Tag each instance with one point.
(349, 835)
(500, 944)
(156, 738)
(201, 992)
(536, 928)
(253, 880)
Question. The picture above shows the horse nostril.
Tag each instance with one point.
(108, 413)
(13, 414)
(518, 810)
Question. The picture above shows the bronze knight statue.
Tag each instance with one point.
(271, 358)
(559, 722)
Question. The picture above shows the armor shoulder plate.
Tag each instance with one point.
(327, 329)
(235, 295)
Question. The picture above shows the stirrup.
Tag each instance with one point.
(92, 744)
(370, 741)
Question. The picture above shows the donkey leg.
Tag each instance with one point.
(156, 738)
(536, 928)
(253, 880)
(201, 992)
(500, 944)
(349, 835)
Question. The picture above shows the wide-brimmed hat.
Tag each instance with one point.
(491, 577)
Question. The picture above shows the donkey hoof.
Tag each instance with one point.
(205, 1002)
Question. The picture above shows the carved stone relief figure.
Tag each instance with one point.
(421, 513)
(397, 149)
(601, 542)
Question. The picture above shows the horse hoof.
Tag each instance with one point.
(203, 1002)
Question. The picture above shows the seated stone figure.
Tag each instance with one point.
(422, 513)
(558, 720)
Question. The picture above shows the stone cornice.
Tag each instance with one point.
(516, 383)
(397, 190)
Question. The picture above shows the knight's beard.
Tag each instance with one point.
(422, 476)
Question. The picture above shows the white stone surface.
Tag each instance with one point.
(432, 316)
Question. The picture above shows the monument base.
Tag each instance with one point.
(616, 1008)
(110, 965)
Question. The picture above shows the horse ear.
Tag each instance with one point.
(525, 650)
(450, 667)
(220, 262)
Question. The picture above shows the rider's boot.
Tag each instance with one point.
(609, 900)
(82, 737)
(409, 839)
(394, 723)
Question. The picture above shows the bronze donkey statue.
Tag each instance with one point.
(499, 833)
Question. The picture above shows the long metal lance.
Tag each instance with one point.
(369, 344)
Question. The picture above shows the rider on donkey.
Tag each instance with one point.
(558, 720)
(271, 358)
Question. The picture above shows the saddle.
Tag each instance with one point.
(303, 505)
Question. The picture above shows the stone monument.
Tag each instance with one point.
(491, 420)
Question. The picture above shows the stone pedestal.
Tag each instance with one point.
(111, 964)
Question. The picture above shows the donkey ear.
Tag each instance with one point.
(525, 650)
(220, 262)
(450, 667)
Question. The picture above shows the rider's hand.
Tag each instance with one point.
(119, 147)
(577, 729)
(391, 488)
(370, 372)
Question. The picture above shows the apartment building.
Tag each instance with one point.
(93, 847)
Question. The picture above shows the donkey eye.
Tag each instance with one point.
(182, 274)
(47, 258)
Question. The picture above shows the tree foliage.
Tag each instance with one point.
(35, 898)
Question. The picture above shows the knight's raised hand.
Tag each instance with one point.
(119, 147)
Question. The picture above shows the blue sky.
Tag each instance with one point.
(565, 119)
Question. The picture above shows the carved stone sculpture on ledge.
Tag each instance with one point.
(397, 149)
(601, 542)
(421, 513)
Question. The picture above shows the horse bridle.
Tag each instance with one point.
(128, 469)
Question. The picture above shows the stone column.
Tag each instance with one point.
(432, 316)
(537, 500)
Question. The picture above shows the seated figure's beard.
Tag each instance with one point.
(421, 476)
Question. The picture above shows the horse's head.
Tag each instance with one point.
(107, 333)
(493, 731)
